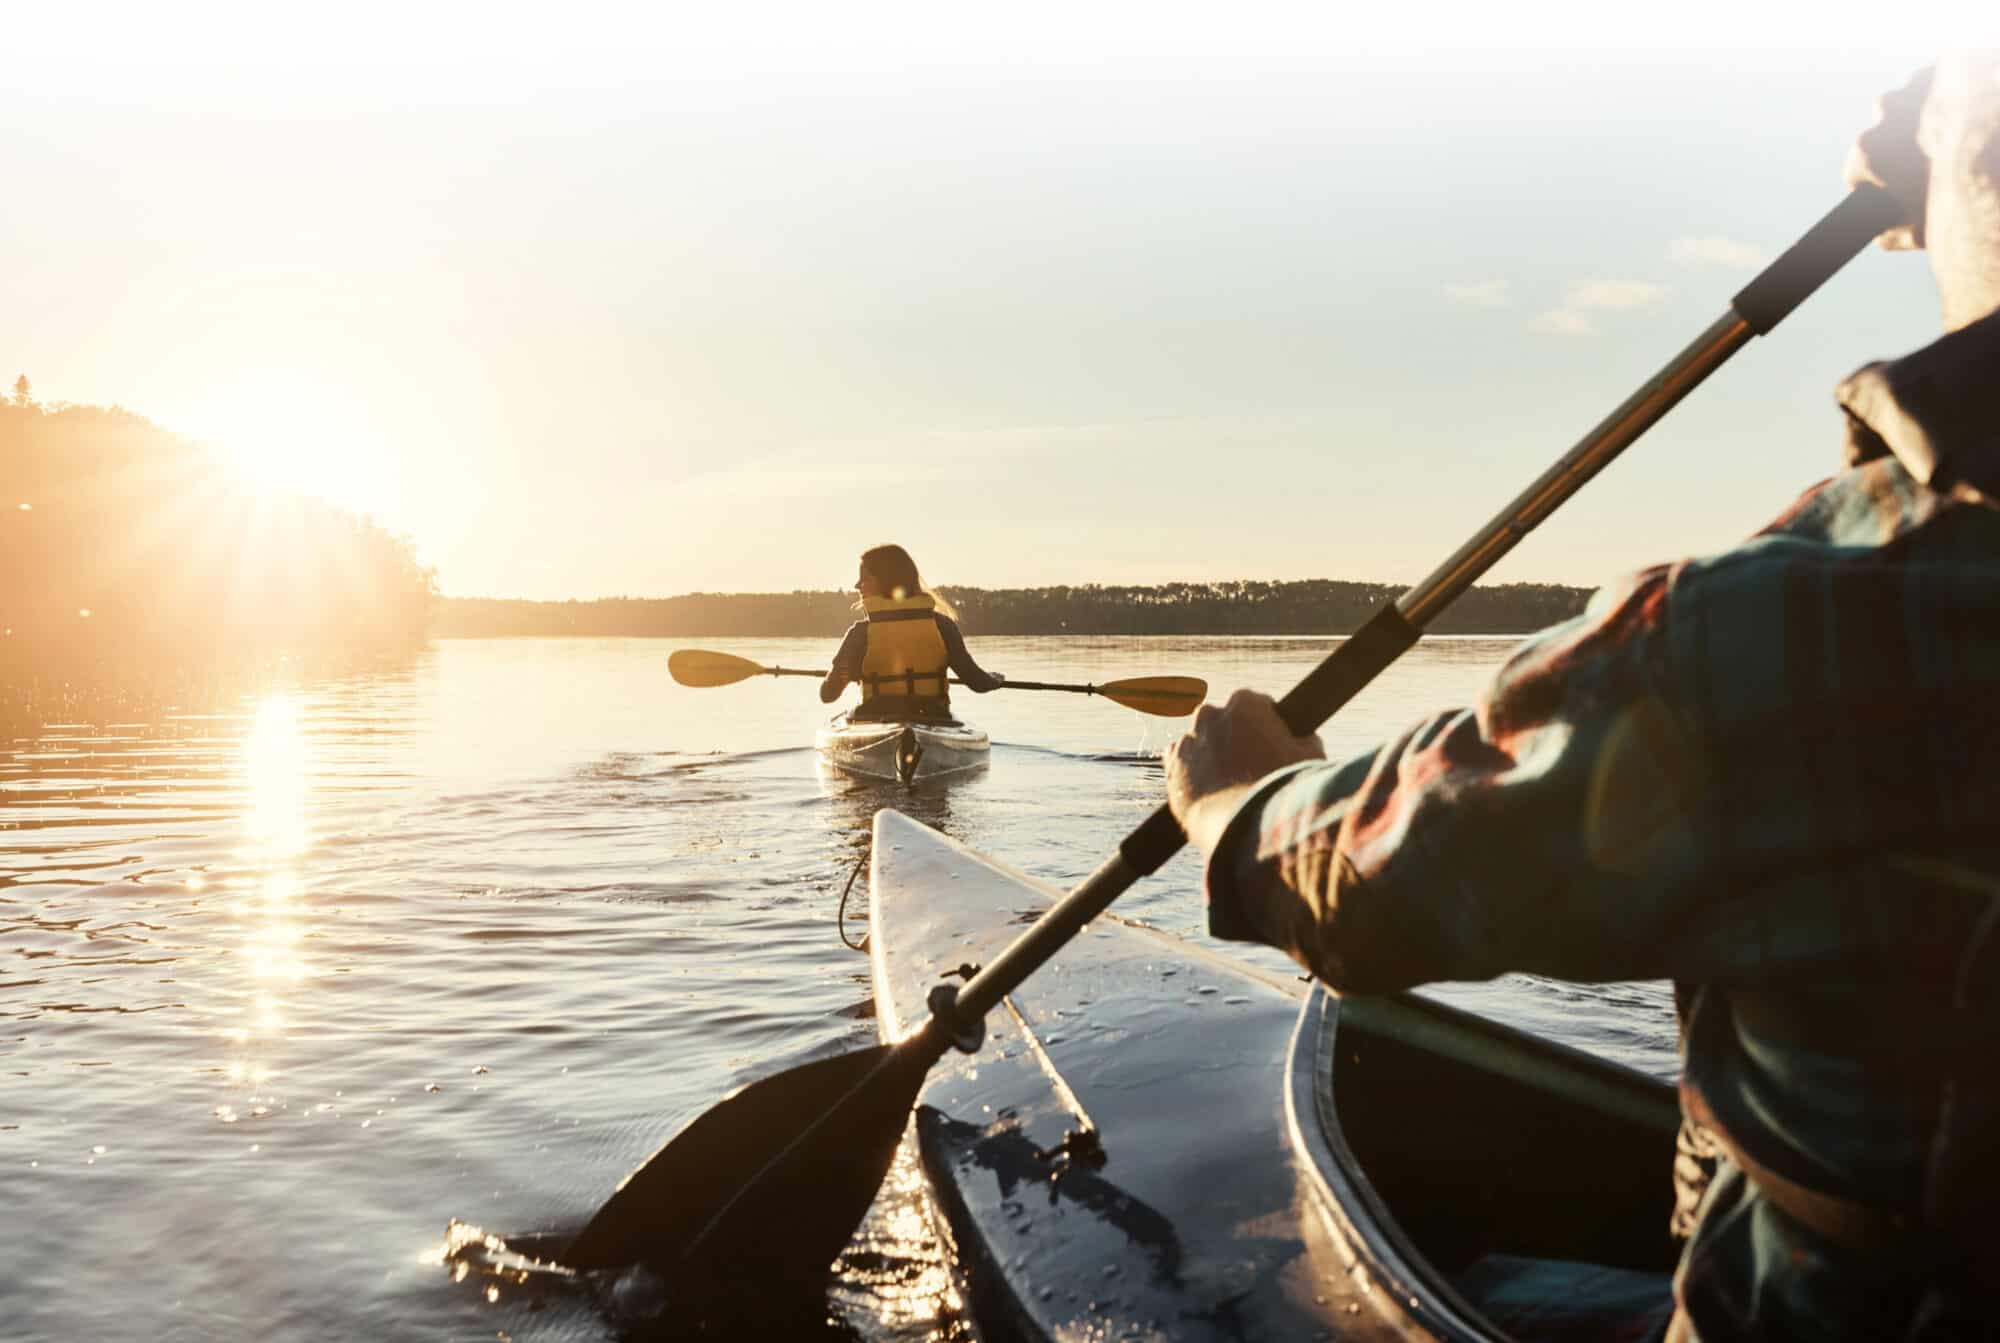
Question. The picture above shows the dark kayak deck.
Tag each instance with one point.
(1188, 1225)
(1274, 1164)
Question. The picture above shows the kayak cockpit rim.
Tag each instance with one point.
(1339, 1188)
(1335, 1184)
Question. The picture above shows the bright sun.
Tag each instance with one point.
(287, 430)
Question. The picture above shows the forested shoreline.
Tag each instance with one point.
(123, 544)
(1306, 607)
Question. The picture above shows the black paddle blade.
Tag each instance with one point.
(771, 1182)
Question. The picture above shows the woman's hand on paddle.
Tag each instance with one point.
(1226, 752)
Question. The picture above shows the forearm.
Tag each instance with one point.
(1543, 831)
(847, 661)
(1631, 780)
(976, 678)
(1276, 875)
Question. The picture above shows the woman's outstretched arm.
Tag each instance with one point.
(977, 679)
(846, 663)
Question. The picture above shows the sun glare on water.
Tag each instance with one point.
(275, 773)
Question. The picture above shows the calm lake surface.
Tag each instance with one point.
(295, 980)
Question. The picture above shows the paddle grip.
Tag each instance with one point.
(1867, 213)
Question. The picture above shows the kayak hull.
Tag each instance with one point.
(1153, 1141)
(904, 752)
(1175, 1229)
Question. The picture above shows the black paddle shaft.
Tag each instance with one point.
(1758, 307)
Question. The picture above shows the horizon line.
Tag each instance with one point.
(978, 587)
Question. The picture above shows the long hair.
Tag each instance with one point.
(892, 567)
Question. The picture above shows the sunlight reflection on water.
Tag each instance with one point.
(275, 778)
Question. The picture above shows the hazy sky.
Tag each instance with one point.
(592, 304)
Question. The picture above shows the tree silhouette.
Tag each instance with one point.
(1254, 607)
(24, 392)
(173, 553)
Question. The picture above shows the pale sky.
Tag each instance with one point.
(593, 303)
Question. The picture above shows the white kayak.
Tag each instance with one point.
(905, 752)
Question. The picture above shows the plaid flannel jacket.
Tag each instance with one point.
(1772, 776)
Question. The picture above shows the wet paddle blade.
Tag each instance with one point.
(700, 668)
(1167, 696)
(768, 1186)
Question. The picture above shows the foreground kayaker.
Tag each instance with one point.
(1772, 776)
(906, 648)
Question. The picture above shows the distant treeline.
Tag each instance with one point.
(122, 542)
(1313, 606)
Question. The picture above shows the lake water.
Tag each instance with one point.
(294, 980)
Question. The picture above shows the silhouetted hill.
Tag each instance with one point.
(120, 541)
(1313, 606)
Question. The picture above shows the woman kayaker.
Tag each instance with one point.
(904, 651)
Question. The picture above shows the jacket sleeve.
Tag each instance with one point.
(976, 679)
(1543, 829)
(846, 663)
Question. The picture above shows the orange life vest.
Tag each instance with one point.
(906, 656)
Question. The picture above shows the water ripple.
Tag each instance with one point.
(324, 968)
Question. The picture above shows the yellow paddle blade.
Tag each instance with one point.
(1167, 696)
(700, 668)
